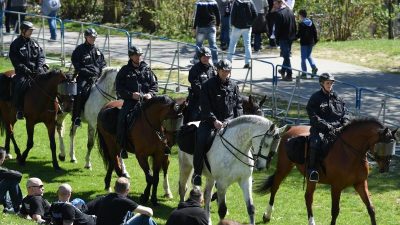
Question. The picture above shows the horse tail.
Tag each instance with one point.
(264, 186)
(103, 149)
(2, 125)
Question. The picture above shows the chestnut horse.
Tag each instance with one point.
(145, 135)
(344, 165)
(40, 105)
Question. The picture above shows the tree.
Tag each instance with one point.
(112, 11)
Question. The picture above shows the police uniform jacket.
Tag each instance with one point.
(132, 79)
(199, 74)
(26, 54)
(88, 61)
(326, 112)
(220, 101)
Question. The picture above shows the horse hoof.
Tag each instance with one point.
(21, 161)
(143, 199)
(9, 156)
(168, 196)
(58, 168)
(265, 218)
(88, 167)
(154, 202)
(73, 161)
(61, 158)
(126, 175)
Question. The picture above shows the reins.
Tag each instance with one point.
(44, 91)
(104, 94)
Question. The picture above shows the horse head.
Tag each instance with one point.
(67, 89)
(383, 151)
(251, 107)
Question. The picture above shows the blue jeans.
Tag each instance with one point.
(225, 28)
(140, 220)
(53, 25)
(235, 35)
(209, 33)
(286, 49)
(10, 186)
(306, 51)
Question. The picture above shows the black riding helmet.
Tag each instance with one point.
(90, 32)
(26, 25)
(224, 64)
(134, 50)
(203, 51)
(326, 76)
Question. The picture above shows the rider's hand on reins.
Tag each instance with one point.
(218, 124)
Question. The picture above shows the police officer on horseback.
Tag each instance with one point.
(220, 101)
(28, 60)
(134, 82)
(198, 74)
(88, 62)
(327, 113)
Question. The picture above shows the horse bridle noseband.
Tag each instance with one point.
(268, 158)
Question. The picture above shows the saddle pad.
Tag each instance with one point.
(5, 85)
(108, 119)
(295, 149)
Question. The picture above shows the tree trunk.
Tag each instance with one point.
(112, 11)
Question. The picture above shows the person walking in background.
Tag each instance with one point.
(190, 211)
(8, 16)
(18, 6)
(271, 24)
(260, 25)
(285, 32)
(50, 8)
(10, 191)
(206, 22)
(225, 7)
(308, 38)
(34, 205)
(243, 15)
(2, 8)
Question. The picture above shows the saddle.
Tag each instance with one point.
(297, 149)
(5, 87)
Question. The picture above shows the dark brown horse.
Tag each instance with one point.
(40, 105)
(251, 107)
(344, 165)
(145, 135)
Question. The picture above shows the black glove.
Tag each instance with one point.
(26, 70)
(40, 71)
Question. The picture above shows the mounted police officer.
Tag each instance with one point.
(327, 113)
(28, 60)
(220, 101)
(198, 74)
(135, 82)
(88, 62)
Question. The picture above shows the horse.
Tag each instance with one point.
(345, 164)
(145, 135)
(231, 159)
(251, 107)
(40, 105)
(7, 111)
(101, 92)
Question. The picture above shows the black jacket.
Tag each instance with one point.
(6, 174)
(135, 79)
(220, 101)
(88, 62)
(307, 32)
(243, 14)
(26, 54)
(189, 212)
(207, 14)
(285, 24)
(199, 74)
(326, 112)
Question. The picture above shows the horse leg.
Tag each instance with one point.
(90, 144)
(16, 148)
(283, 169)
(362, 190)
(335, 196)
(51, 129)
(167, 190)
(185, 171)
(222, 209)
(107, 178)
(246, 186)
(60, 131)
(144, 164)
(157, 163)
(207, 196)
(309, 195)
(72, 144)
(29, 144)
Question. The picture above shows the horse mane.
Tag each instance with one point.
(105, 72)
(360, 121)
(247, 119)
(163, 99)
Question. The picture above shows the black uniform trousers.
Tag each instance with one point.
(203, 133)
(20, 84)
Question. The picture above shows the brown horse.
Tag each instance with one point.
(344, 165)
(40, 105)
(251, 107)
(145, 135)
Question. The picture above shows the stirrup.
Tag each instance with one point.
(20, 115)
(314, 176)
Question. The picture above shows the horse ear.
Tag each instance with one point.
(282, 130)
(396, 134)
(262, 101)
(250, 98)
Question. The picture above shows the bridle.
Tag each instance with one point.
(268, 158)
(104, 94)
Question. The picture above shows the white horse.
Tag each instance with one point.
(101, 92)
(231, 158)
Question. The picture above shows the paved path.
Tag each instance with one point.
(162, 54)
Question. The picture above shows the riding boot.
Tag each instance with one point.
(76, 111)
(121, 132)
(313, 175)
(203, 132)
(18, 100)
